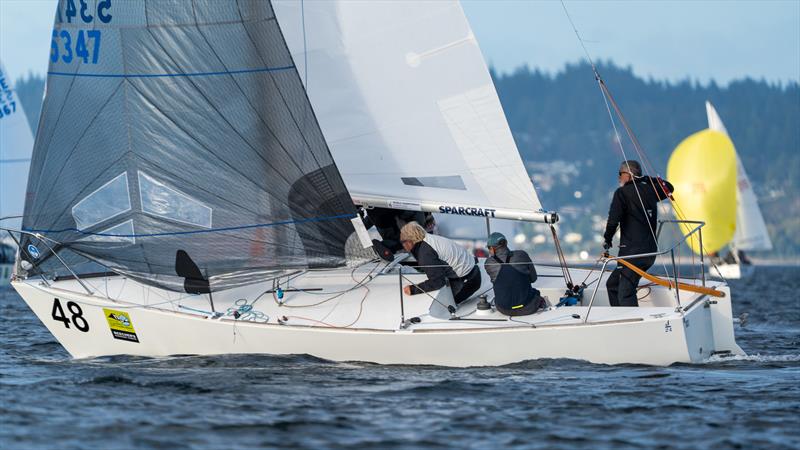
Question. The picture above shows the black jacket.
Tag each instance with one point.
(516, 257)
(389, 221)
(437, 275)
(638, 227)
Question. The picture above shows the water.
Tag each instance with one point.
(49, 401)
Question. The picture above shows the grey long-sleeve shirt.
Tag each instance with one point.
(519, 257)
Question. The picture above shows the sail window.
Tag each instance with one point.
(163, 201)
(118, 234)
(109, 200)
(446, 182)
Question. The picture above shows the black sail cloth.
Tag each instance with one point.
(172, 126)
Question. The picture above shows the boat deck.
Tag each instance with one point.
(365, 298)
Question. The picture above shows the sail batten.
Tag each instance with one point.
(186, 132)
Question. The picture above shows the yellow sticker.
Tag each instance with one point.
(121, 325)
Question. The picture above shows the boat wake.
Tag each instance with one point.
(757, 357)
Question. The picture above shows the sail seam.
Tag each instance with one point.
(231, 126)
(168, 75)
(213, 230)
(74, 147)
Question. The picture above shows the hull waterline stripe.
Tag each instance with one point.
(169, 75)
(212, 230)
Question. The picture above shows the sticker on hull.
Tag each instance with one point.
(120, 324)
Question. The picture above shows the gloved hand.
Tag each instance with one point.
(607, 245)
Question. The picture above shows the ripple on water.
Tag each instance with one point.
(241, 401)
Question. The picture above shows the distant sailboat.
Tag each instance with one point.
(16, 143)
(714, 187)
(216, 181)
(751, 231)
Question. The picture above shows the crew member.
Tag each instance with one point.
(388, 223)
(634, 209)
(443, 261)
(512, 273)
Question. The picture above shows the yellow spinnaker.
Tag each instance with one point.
(702, 169)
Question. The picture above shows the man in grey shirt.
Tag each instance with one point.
(512, 273)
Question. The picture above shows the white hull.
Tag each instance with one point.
(655, 334)
(732, 271)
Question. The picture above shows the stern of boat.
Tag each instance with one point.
(708, 326)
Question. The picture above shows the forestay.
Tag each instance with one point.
(751, 231)
(16, 142)
(408, 107)
(181, 125)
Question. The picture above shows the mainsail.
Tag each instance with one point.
(178, 134)
(16, 142)
(408, 107)
(751, 231)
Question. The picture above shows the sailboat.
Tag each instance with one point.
(195, 179)
(16, 143)
(734, 207)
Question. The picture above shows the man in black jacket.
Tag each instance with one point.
(634, 210)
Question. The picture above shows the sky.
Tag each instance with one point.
(670, 40)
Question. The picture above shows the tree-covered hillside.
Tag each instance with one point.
(565, 136)
(563, 117)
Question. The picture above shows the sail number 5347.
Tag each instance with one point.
(75, 316)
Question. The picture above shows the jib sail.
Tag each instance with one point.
(179, 133)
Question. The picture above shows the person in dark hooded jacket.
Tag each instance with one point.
(634, 210)
(512, 272)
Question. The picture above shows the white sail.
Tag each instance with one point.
(408, 107)
(16, 143)
(751, 231)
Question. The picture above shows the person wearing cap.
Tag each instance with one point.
(443, 261)
(634, 210)
(512, 273)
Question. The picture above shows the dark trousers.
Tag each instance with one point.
(536, 304)
(464, 287)
(622, 283)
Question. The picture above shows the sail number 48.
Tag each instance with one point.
(76, 317)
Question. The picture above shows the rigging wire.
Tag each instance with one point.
(358, 284)
(606, 94)
(562, 260)
(647, 164)
(367, 278)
